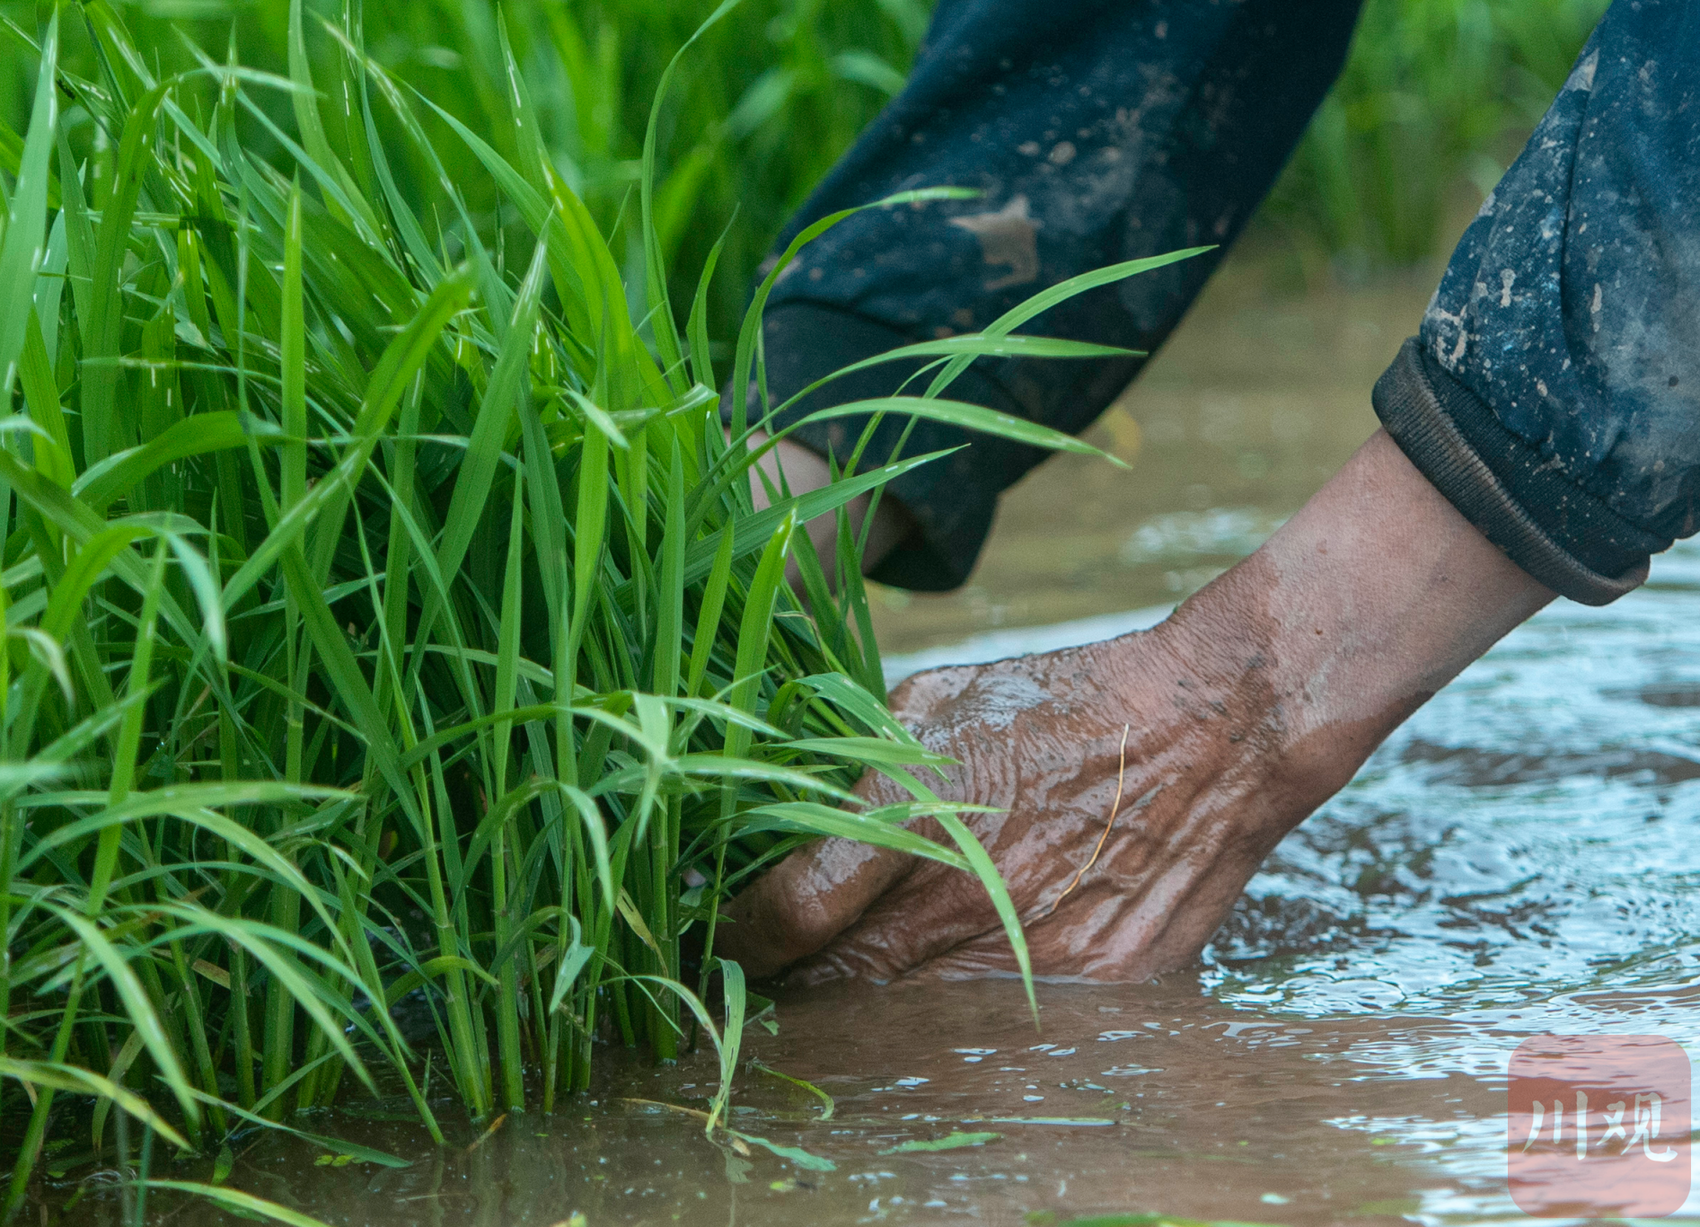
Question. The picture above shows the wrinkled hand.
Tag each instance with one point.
(1252, 705)
(1117, 871)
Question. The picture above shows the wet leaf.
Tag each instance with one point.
(795, 1154)
(243, 1205)
(486, 1135)
(828, 1107)
(954, 1140)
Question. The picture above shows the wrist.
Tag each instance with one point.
(1296, 663)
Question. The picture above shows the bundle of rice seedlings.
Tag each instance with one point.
(771, 95)
(387, 614)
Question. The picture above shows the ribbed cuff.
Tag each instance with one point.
(1559, 533)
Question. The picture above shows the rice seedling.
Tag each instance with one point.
(387, 613)
(770, 97)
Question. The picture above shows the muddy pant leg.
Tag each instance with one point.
(1096, 132)
(1553, 394)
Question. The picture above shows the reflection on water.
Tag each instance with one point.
(1185, 536)
(1521, 857)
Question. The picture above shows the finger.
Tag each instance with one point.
(805, 901)
(931, 911)
(814, 894)
(989, 954)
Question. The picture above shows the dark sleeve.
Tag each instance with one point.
(1553, 393)
(1098, 131)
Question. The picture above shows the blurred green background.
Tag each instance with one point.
(1433, 104)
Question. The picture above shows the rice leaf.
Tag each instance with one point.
(78, 1081)
(238, 1202)
(26, 215)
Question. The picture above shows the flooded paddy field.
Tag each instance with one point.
(1520, 858)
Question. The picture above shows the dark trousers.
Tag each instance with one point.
(1096, 131)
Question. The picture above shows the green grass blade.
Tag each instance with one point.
(670, 597)
(969, 417)
(105, 428)
(731, 1037)
(666, 331)
(752, 531)
(293, 358)
(400, 363)
(235, 1200)
(77, 1081)
(1043, 301)
(754, 627)
(21, 246)
(744, 358)
(980, 862)
(708, 612)
(810, 818)
(509, 382)
(102, 484)
(137, 1007)
(307, 121)
(696, 328)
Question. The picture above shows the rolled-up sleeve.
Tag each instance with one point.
(1553, 391)
(1093, 131)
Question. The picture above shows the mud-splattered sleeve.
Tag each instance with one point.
(1097, 131)
(1553, 393)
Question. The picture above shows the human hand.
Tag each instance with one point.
(1253, 704)
(1139, 794)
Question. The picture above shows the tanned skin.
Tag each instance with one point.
(1255, 702)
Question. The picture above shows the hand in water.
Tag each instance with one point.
(1247, 709)
(1140, 790)
(1116, 871)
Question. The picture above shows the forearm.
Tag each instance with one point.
(1140, 782)
(1067, 119)
(1371, 598)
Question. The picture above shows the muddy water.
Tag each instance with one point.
(1520, 858)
